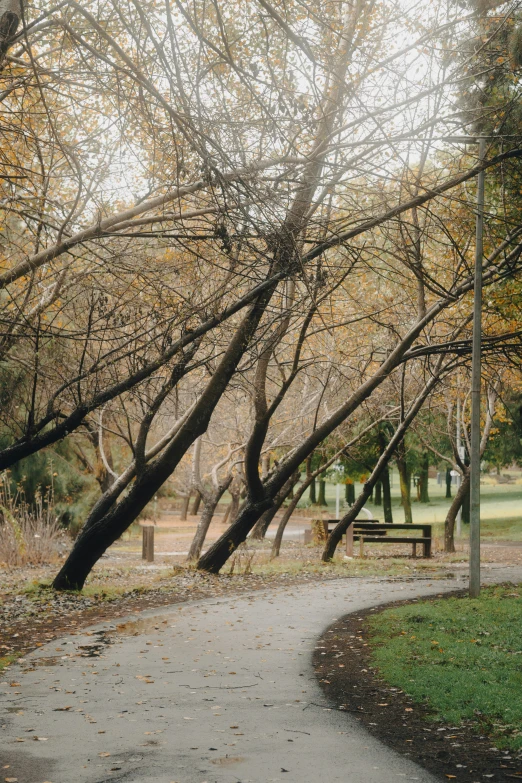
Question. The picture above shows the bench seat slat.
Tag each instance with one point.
(396, 539)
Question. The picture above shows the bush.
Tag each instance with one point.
(29, 533)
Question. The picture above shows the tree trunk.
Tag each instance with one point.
(195, 505)
(276, 546)
(10, 15)
(234, 507)
(202, 529)
(462, 497)
(377, 498)
(105, 480)
(217, 555)
(184, 508)
(405, 483)
(209, 507)
(448, 482)
(349, 493)
(265, 465)
(386, 496)
(321, 500)
(346, 521)
(423, 494)
(449, 523)
(313, 497)
(94, 540)
(226, 514)
(262, 525)
(382, 487)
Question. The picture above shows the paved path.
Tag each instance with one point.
(220, 691)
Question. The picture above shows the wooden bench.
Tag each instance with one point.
(377, 533)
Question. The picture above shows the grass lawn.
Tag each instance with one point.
(501, 506)
(460, 657)
(502, 529)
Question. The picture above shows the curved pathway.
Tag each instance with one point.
(215, 691)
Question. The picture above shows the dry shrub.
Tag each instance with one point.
(29, 534)
(242, 560)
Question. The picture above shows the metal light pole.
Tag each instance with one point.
(459, 452)
(474, 468)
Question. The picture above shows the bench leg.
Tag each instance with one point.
(426, 547)
(414, 549)
(349, 541)
(361, 546)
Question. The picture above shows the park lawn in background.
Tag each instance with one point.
(499, 502)
(502, 529)
(460, 657)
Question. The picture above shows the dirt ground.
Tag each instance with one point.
(348, 680)
(173, 537)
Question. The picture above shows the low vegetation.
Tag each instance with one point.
(30, 533)
(460, 657)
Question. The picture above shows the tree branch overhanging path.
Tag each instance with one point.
(234, 223)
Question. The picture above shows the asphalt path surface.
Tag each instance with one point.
(209, 692)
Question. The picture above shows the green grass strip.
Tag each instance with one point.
(460, 657)
(7, 660)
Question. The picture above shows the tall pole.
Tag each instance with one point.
(474, 532)
(459, 452)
